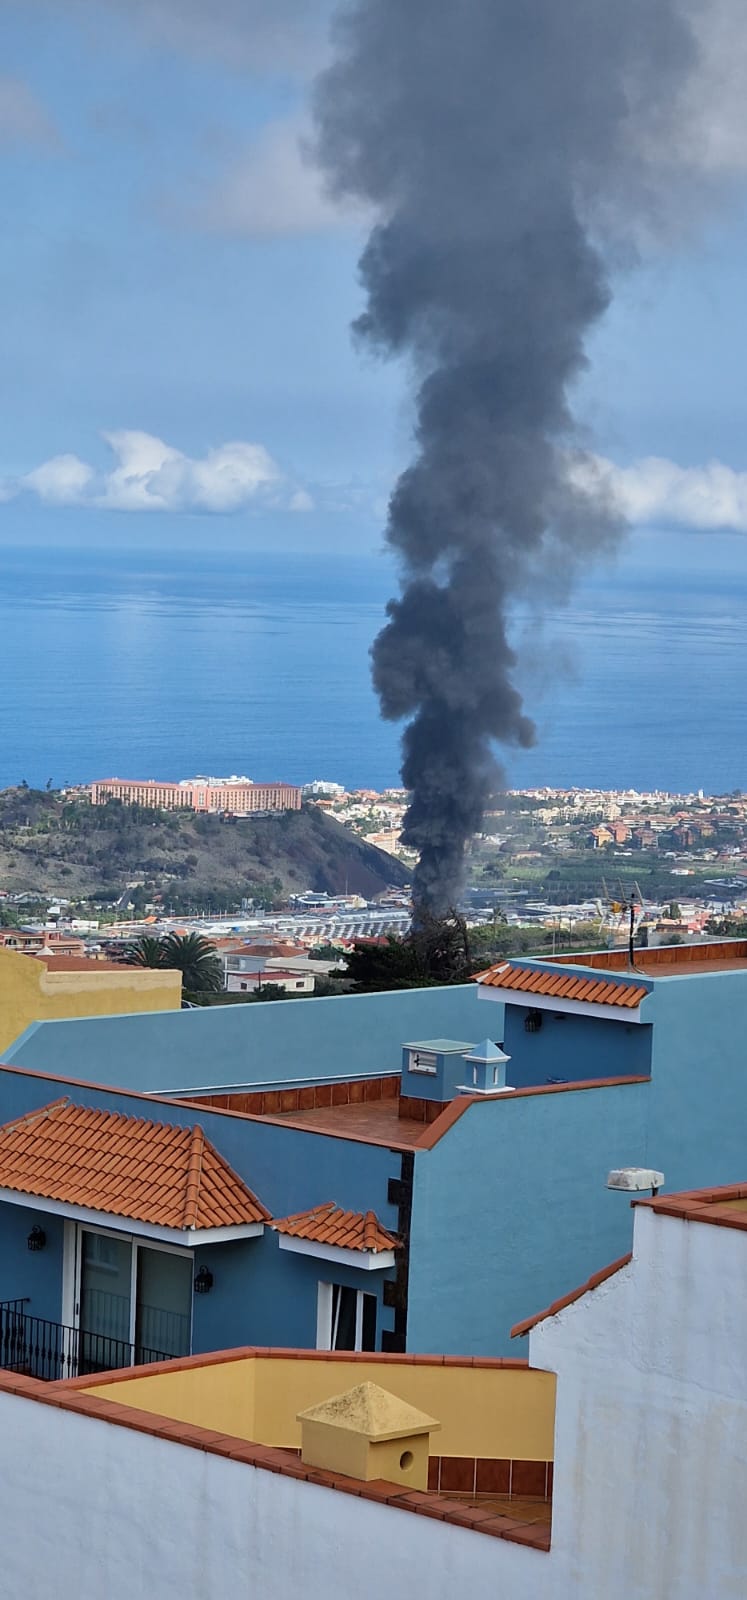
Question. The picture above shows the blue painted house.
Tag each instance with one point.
(466, 1133)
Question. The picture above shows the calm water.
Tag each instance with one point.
(156, 664)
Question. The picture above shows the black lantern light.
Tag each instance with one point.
(533, 1021)
(37, 1238)
(203, 1281)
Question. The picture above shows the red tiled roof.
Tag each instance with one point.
(348, 1230)
(562, 985)
(568, 1299)
(725, 1207)
(124, 1166)
(55, 963)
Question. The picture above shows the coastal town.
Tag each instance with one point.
(551, 869)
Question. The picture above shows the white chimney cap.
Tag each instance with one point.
(635, 1179)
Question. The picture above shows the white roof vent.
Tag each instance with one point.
(635, 1180)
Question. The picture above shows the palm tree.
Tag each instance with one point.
(145, 952)
(195, 958)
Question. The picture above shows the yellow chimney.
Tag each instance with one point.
(368, 1433)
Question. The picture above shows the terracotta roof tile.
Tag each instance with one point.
(348, 1230)
(55, 963)
(568, 1299)
(124, 1166)
(531, 980)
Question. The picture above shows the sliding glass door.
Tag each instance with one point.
(163, 1303)
(134, 1301)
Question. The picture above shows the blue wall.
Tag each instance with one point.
(699, 1080)
(267, 1296)
(36, 1274)
(304, 1041)
(510, 1211)
(574, 1047)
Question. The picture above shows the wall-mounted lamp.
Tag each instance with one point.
(37, 1238)
(203, 1281)
(533, 1022)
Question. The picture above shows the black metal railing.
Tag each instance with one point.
(49, 1350)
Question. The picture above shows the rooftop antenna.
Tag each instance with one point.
(621, 910)
(632, 909)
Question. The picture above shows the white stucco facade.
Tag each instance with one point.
(651, 1420)
(651, 1446)
(91, 1511)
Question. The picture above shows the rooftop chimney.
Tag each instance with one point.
(368, 1433)
(487, 1064)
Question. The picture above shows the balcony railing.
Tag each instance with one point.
(49, 1350)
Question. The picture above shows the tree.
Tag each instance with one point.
(674, 911)
(195, 958)
(437, 951)
(145, 952)
(187, 953)
(268, 991)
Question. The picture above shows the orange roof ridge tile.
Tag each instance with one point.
(194, 1174)
(329, 1224)
(29, 1118)
(593, 1282)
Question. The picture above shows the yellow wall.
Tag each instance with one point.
(503, 1412)
(220, 1396)
(29, 993)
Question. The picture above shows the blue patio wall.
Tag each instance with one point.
(572, 1046)
(261, 1295)
(246, 1046)
(32, 1274)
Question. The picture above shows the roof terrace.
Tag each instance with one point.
(666, 961)
(491, 1422)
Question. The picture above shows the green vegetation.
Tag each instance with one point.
(187, 953)
(445, 952)
(181, 861)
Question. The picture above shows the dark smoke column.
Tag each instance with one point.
(496, 139)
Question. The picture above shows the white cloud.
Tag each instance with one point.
(655, 491)
(150, 475)
(63, 481)
(273, 188)
(23, 119)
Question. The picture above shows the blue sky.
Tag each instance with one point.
(174, 286)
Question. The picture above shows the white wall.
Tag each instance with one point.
(96, 1512)
(651, 1422)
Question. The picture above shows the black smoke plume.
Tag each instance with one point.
(507, 147)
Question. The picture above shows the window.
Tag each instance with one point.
(346, 1318)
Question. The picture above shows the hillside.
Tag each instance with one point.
(57, 847)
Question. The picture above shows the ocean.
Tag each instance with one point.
(165, 664)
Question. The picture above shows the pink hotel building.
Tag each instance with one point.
(235, 795)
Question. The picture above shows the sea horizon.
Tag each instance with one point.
(164, 663)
